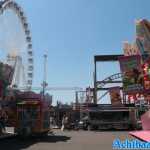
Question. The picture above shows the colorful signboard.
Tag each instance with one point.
(132, 73)
(115, 96)
(146, 75)
(143, 37)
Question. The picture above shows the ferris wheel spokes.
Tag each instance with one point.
(17, 62)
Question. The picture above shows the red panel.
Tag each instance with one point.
(145, 134)
(142, 135)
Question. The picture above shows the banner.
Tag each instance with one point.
(132, 73)
(115, 96)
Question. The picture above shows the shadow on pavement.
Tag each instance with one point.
(18, 144)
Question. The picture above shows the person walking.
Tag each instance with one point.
(63, 123)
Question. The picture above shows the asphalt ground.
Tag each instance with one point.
(66, 140)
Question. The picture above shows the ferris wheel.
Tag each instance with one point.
(16, 43)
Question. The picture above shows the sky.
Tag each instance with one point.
(71, 32)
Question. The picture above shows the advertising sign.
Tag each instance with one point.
(115, 96)
(132, 73)
(143, 37)
(130, 49)
(146, 75)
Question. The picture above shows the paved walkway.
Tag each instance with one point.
(67, 140)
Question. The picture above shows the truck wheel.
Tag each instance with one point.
(25, 132)
(95, 127)
(44, 134)
(84, 127)
(1, 130)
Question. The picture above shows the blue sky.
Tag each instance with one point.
(73, 31)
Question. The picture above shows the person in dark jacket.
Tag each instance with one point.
(2, 121)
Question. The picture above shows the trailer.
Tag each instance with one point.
(110, 117)
(33, 118)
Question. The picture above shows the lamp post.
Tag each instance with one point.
(44, 75)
